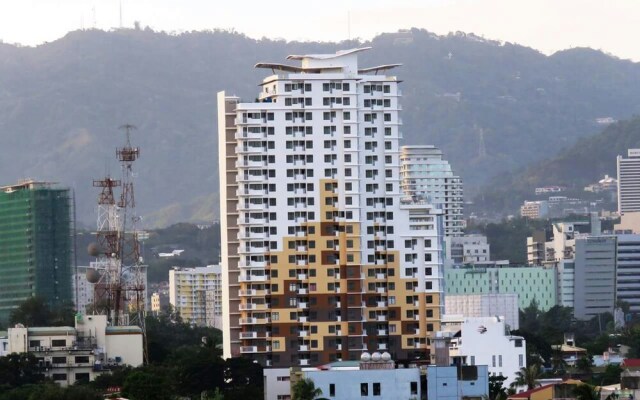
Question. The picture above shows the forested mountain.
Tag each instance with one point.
(492, 107)
(584, 163)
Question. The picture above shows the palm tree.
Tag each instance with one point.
(527, 376)
(305, 389)
(586, 392)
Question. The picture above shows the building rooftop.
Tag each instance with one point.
(27, 184)
(115, 330)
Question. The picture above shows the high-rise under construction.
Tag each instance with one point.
(35, 245)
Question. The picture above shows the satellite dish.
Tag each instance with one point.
(93, 249)
(93, 276)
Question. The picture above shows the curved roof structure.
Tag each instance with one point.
(340, 53)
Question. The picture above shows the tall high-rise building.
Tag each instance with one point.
(35, 245)
(426, 176)
(629, 182)
(325, 257)
(196, 293)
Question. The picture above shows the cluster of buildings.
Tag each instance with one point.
(336, 243)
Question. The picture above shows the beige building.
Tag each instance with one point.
(325, 256)
(196, 293)
(69, 354)
(534, 209)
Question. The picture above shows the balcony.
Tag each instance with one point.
(248, 349)
(303, 319)
(252, 278)
(381, 304)
(338, 347)
(338, 333)
(303, 333)
(304, 362)
(303, 347)
(381, 318)
(382, 346)
(248, 321)
(382, 332)
(302, 277)
(338, 304)
(248, 306)
(381, 290)
(303, 291)
(416, 317)
(248, 335)
(303, 306)
(302, 263)
(381, 276)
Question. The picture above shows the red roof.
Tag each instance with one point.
(631, 362)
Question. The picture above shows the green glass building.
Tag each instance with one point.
(529, 283)
(35, 245)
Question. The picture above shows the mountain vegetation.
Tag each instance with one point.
(584, 163)
(491, 106)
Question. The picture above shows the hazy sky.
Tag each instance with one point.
(547, 25)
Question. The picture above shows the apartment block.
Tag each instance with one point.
(427, 177)
(325, 256)
(628, 270)
(529, 283)
(485, 305)
(68, 354)
(196, 294)
(35, 245)
(629, 182)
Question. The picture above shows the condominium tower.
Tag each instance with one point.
(196, 293)
(427, 177)
(325, 256)
(35, 245)
(629, 182)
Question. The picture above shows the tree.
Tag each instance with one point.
(586, 392)
(35, 311)
(584, 365)
(305, 389)
(18, 370)
(147, 384)
(527, 376)
(496, 389)
(611, 374)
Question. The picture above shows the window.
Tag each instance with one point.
(364, 389)
(34, 343)
(59, 360)
(414, 387)
(59, 377)
(500, 360)
(376, 389)
(520, 360)
(58, 343)
(82, 359)
(493, 361)
(473, 360)
(82, 376)
(332, 390)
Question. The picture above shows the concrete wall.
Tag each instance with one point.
(394, 384)
(443, 383)
(126, 346)
(276, 383)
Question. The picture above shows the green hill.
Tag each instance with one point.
(576, 167)
(61, 104)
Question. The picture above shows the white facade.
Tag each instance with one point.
(311, 205)
(426, 176)
(467, 249)
(629, 182)
(196, 293)
(485, 341)
(70, 354)
(485, 305)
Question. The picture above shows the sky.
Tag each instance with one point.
(546, 25)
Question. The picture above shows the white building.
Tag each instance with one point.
(485, 305)
(629, 182)
(374, 377)
(485, 341)
(70, 354)
(322, 248)
(426, 176)
(84, 291)
(4, 344)
(467, 249)
(196, 293)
